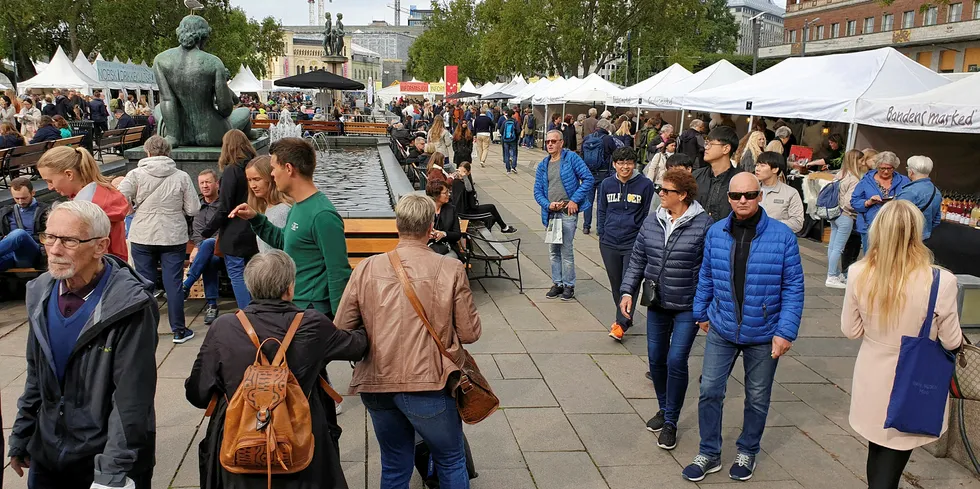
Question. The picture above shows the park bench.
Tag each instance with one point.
(262, 123)
(107, 140)
(72, 141)
(369, 128)
(21, 158)
(483, 246)
(132, 137)
(320, 126)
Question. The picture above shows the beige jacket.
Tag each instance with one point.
(847, 185)
(161, 196)
(874, 369)
(402, 356)
(784, 204)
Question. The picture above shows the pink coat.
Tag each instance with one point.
(874, 370)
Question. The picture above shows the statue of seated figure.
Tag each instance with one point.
(196, 106)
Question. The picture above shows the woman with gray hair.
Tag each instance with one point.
(877, 187)
(227, 351)
(161, 196)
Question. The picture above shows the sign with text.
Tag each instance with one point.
(942, 117)
(439, 88)
(109, 71)
(413, 87)
(451, 75)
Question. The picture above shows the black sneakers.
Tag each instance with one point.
(508, 230)
(656, 423)
(183, 336)
(210, 313)
(568, 294)
(555, 292)
(668, 437)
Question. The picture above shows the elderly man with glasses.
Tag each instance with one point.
(86, 417)
(562, 186)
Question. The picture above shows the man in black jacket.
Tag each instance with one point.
(123, 120)
(203, 260)
(100, 114)
(86, 415)
(713, 179)
(691, 142)
(20, 225)
(62, 105)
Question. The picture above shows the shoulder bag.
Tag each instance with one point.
(475, 399)
(648, 296)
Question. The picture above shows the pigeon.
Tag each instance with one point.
(193, 5)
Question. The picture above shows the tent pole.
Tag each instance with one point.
(851, 136)
(751, 119)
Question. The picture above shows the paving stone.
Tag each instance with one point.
(523, 393)
(618, 439)
(353, 440)
(355, 473)
(497, 341)
(562, 470)
(521, 313)
(829, 367)
(628, 373)
(825, 347)
(808, 462)
(516, 366)
(10, 395)
(666, 475)
(173, 448)
(925, 468)
(189, 471)
(792, 371)
(493, 444)
(569, 342)
(543, 430)
(11, 368)
(849, 451)
(179, 361)
(579, 384)
(752, 484)
(569, 316)
(14, 343)
(172, 408)
(826, 399)
(488, 367)
(807, 419)
(502, 479)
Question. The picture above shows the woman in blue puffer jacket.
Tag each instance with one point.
(877, 187)
(667, 257)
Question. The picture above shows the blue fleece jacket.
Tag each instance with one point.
(622, 208)
(920, 193)
(575, 177)
(482, 124)
(868, 187)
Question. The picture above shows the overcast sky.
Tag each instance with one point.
(296, 12)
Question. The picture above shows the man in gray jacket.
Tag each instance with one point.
(203, 260)
(86, 417)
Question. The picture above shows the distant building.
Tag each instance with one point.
(942, 36)
(419, 17)
(770, 29)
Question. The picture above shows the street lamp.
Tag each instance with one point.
(755, 40)
(806, 30)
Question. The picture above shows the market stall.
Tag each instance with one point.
(60, 73)
(630, 96)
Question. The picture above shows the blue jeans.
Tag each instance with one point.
(864, 241)
(840, 230)
(235, 265)
(563, 256)
(670, 335)
(528, 141)
(205, 263)
(397, 417)
(171, 262)
(18, 250)
(760, 368)
(587, 222)
(510, 156)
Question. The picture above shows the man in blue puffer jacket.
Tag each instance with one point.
(562, 185)
(749, 301)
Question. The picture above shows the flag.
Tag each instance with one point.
(451, 75)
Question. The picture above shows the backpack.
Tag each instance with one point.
(593, 152)
(268, 428)
(509, 132)
(828, 201)
(619, 142)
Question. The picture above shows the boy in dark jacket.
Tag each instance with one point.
(624, 203)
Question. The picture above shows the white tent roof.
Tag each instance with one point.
(824, 88)
(81, 62)
(468, 86)
(530, 90)
(488, 88)
(514, 87)
(60, 73)
(594, 89)
(631, 95)
(245, 81)
(558, 88)
(716, 75)
(954, 107)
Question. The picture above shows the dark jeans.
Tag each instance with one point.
(670, 335)
(18, 249)
(235, 265)
(587, 222)
(489, 209)
(397, 417)
(885, 466)
(510, 156)
(170, 259)
(205, 263)
(760, 368)
(616, 263)
(79, 476)
(528, 141)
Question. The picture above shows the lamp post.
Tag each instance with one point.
(755, 40)
(806, 30)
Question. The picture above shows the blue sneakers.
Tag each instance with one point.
(700, 467)
(743, 467)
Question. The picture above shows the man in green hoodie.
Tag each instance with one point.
(314, 231)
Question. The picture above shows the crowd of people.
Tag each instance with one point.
(46, 117)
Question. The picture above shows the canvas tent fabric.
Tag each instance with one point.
(552, 93)
(593, 89)
(530, 90)
(61, 73)
(954, 107)
(668, 96)
(631, 96)
(824, 88)
(245, 81)
(468, 86)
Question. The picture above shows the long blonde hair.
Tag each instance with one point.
(78, 160)
(895, 254)
(854, 164)
(235, 147)
(624, 129)
(263, 165)
(435, 134)
(868, 158)
(753, 148)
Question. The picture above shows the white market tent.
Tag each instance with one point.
(245, 81)
(468, 86)
(822, 88)
(516, 85)
(489, 88)
(530, 90)
(81, 62)
(717, 75)
(593, 90)
(631, 96)
(954, 107)
(559, 87)
(61, 73)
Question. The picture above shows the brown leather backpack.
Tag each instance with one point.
(268, 429)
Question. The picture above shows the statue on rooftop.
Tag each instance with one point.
(327, 37)
(196, 106)
(338, 36)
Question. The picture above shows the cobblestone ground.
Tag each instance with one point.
(574, 401)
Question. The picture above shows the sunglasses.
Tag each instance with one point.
(550, 141)
(748, 195)
(663, 190)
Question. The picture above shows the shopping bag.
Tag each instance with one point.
(922, 378)
(553, 235)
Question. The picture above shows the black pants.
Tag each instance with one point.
(78, 476)
(616, 263)
(852, 250)
(885, 466)
(490, 209)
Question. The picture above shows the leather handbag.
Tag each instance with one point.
(475, 399)
(966, 375)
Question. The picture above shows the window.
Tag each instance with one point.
(932, 16)
(786, 37)
(976, 10)
(834, 30)
(792, 36)
(955, 12)
(869, 25)
(908, 19)
(887, 22)
(852, 27)
(820, 32)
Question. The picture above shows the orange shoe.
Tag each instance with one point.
(616, 332)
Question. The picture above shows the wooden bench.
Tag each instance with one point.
(370, 128)
(132, 137)
(367, 237)
(483, 246)
(320, 126)
(67, 141)
(21, 158)
(262, 123)
(112, 138)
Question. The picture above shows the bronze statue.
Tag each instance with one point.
(338, 36)
(196, 106)
(327, 37)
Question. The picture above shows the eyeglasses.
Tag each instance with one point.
(624, 163)
(748, 195)
(550, 141)
(664, 190)
(66, 241)
(713, 143)
(886, 168)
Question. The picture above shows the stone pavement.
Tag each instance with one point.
(574, 402)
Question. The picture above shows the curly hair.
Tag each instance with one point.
(193, 31)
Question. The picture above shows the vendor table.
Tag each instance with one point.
(956, 247)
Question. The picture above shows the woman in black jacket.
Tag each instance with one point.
(671, 271)
(446, 234)
(462, 144)
(236, 241)
(9, 137)
(465, 203)
(568, 133)
(46, 131)
(227, 351)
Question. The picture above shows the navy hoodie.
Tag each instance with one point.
(622, 209)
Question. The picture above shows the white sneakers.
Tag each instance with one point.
(838, 282)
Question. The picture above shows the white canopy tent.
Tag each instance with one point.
(530, 90)
(631, 96)
(667, 97)
(593, 90)
(558, 88)
(516, 85)
(61, 73)
(489, 88)
(81, 62)
(468, 86)
(954, 107)
(245, 81)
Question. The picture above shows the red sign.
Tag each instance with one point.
(413, 87)
(452, 79)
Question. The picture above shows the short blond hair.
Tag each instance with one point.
(414, 215)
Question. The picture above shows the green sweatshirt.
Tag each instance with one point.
(314, 238)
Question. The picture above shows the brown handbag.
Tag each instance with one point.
(475, 399)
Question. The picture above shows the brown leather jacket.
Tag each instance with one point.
(402, 356)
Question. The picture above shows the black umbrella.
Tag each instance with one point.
(497, 96)
(319, 79)
(463, 95)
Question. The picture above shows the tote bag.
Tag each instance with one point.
(918, 400)
(554, 233)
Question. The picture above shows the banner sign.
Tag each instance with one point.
(413, 87)
(436, 87)
(451, 75)
(109, 71)
(930, 117)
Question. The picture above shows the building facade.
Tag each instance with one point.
(419, 17)
(943, 37)
(770, 23)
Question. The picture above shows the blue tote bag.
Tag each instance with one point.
(922, 376)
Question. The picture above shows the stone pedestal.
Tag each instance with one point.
(194, 159)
